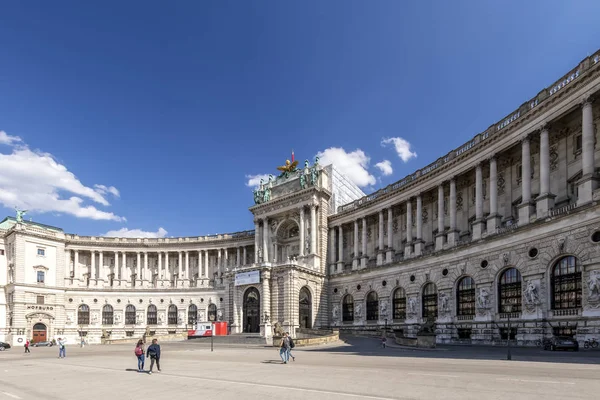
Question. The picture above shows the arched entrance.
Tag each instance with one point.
(287, 241)
(39, 332)
(305, 308)
(252, 311)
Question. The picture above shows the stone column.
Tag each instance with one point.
(256, 241)
(206, 266)
(186, 275)
(493, 220)
(409, 238)
(266, 330)
(244, 260)
(332, 252)
(115, 272)
(525, 208)
(389, 255)
(478, 223)
(340, 264)
(160, 272)
(545, 201)
(302, 231)
(356, 258)
(146, 274)
(453, 233)
(138, 269)
(76, 269)
(200, 264)
(93, 275)
(365, 257)
(313, 229)
(419, 241)
(589, 180)
(167, 267)
(101, 268)
(265, 240)
(380, 252)
(219, 262)
(441, 236)
(68, 268)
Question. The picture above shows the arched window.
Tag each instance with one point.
(305, 308)
(430, 302)
(192, 314)
(107, 315)
(212, 312)
(348, 308)
(83, 315)
(566, 284)
(372, 307)
(509, 290)
(152, 315)
(172, 315)
(130, 314)
(465, 296)
(399, 304)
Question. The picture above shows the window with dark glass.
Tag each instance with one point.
(509, 290)
(172, 315)
(566, 284)
(107, 315)
(41, 276)
(192, 314)
(130, 314)
(372, 307)
(564, 331)
(41, 252)
(152, 315)
(348, 308)
(212, 312)
(39, 300)
(430, 302)
(465, 296)
(399, 304)
(83, 315)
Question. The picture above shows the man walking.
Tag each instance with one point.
(154, 353)
(62, 351)
(284, 348)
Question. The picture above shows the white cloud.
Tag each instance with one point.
(385, 167)
(354, 165)
(402, 147)
(136, 233)
(254, 180)
(35, 181)
(9, 140)
(102, 189)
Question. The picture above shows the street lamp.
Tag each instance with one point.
(508, 309)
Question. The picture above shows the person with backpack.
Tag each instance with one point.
(284, 348)
(62, 351)
(27, 346)
(139, 353)
(292, 345)
(154, 353)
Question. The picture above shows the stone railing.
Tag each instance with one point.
(199, 239)
(562, 210)
(566, 313)
(512, 315)
(465, 317)
(507, 228)
(494, 129)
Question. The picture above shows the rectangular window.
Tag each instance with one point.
(564, 331)
(129, 333)
(578, 145)
(504, 333)
(39, 300)
(464, 333)
(40, 276)
(41, 252)
(1, 252)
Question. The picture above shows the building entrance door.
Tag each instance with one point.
(252, 311)
(39, 333)
(305, 308)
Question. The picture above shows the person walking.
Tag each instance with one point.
(62, 351)
(284, 348)
(27, 346)
(383, 341)
(292, 345)
(139, 353)
(154, 353)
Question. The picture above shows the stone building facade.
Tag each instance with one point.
(505, 226)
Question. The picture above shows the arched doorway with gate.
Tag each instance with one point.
(252, 311)
(39, 333)
(305, 308)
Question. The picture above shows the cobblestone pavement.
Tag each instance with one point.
(357, 369)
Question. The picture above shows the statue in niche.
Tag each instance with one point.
(336, 312)
(412, 305)
(383, 307)
(20, 214)
(483, 298)
(219, 315)
(444, 307)
(307, 243)
(531, 293)
(266, 194)
(358, 312)
(594, 286)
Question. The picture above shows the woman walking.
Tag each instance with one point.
(139, 353)
(284, 348)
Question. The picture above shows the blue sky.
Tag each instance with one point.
(172, 106)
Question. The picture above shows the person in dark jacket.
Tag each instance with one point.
(154, 353)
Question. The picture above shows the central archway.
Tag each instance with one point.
(252, 311)
(305, 308)
(39, 332)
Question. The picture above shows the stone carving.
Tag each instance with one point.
(394, 225)
(161, 318)
(336, 312)
(412, 306)
(70, 318)
(303, 179)
(219, 315)
(118, 317)
(532, 296)
(266, 194)
(444, 304)
(459, 201)
(427, 328)
(314, 175)
(307, 243)
(278, 329)
(259, 254)
(594, 286)
(425, 216)
(202, 315)
(501, 182)
(94, 317)
(553, 158)
(483, 299)
(561, 245)
(358, 312)
(383, 308)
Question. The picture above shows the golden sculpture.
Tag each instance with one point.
(288, 167)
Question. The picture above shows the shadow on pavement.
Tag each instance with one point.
(272, 362)
(367, 346)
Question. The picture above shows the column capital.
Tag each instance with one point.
(586, 100)
(493, 157)
(544, 126)
(526, 138)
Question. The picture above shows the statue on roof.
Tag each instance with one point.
(20, 214)
(289, 167)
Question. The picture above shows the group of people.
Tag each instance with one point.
(285, 349)
(153, 353)
(61, 347)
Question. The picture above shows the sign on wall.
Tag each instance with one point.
(247, 278)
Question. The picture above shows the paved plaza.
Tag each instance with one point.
(354, 369)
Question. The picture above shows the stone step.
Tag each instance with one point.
(248, 340)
